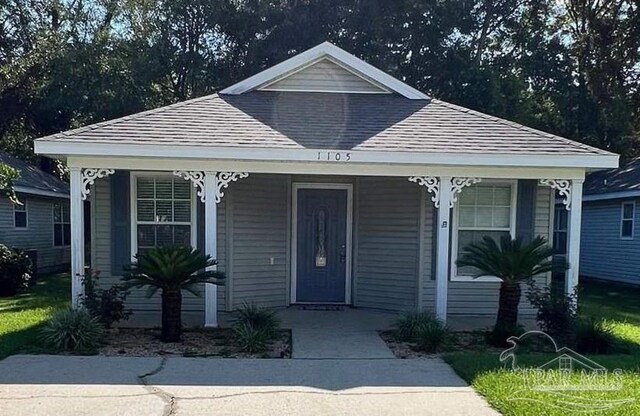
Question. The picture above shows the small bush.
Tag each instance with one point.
(500, 333)
(105, 304)
(15, 271)
(408, 323)
(431, 336)
(594, 336)
(259, 318)
(556, 311)
(73, 331)
(251, 339)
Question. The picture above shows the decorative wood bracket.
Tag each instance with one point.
(89, 176)
(457, 184)
(432, 183)
(196, 177)
(563, 186)
(223, 179)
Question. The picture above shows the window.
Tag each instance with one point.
(61, 225)
(627, 220)
(163, 214)
(560, 230)
(482, 210)
(20, 219)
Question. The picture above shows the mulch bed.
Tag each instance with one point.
(461, 341)
(215, 343)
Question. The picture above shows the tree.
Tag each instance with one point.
(513, 261)
(171, 270)
(8, 177)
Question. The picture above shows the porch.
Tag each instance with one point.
(394, 258)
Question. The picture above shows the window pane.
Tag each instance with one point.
(66, 228)
(467, 216)
(66, 213)
(485, 195)
(182, 235)
(627, 228)
(57, 235)
(164, 235)
(502, 195)
(20, 208)
(57, 213)
(146, 236)
(163, 211)
(502, 217)
(145, 210)
(164, 187)
(484, 215)
(627, 211)
(182, 189)
(182, 211)
(468, 196)
(21, 219)
(145, 187)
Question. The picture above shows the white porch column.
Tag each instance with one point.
(575, 224)
(442, 247)
(77, 235)
(211, 245)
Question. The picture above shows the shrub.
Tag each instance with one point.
(259, 318)
(556, 311)
(251, 339)
(15, 271)
(594, 336)
(431, 336)
(105, 304)
(499, 334)
(407, 324)
(73, 331)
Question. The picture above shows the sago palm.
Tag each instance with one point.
(513, 261)
(171, 270)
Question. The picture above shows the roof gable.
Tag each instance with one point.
(325, 75)
(351, 64)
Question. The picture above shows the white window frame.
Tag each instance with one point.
(53, 223)
(454, 227)
(26, 215)
(133, 195)
(632, 219)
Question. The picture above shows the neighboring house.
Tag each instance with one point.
(319, 180)
(41, 225)
(610, 236)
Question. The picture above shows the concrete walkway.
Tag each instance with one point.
(349, 333)
(45, 385)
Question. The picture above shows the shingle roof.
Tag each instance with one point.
(294, 120)
(33, 178)
(625, 178)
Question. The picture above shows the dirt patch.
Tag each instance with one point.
(219, 342)
(460, 341)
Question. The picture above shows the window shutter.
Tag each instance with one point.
(120, 222)
(526, 206)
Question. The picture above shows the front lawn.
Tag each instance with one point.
(510, 393)
(22, 315)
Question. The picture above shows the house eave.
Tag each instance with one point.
(611, 195)
(40, 192)
(76, 148)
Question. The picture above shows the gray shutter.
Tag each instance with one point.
(120, 222)
(525, 216)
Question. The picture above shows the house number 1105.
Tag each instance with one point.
(334, 156)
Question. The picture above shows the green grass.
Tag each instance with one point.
(21, 316)
(508, 391)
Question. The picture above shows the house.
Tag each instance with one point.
(41, 225)
(610, 242)
(319, 180)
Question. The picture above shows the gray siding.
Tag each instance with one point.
(324, 76)
(39, 234)
(604, 255)
(260, 235)
(387, 256)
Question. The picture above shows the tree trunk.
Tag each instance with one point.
(508, 304)
(171, 315)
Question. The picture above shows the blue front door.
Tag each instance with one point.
(322, 243)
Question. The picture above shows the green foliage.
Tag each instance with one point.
(8, 178)
(73, 331)
(594, 336)
(556, 311)
(105, 304)
(497, 337)
(262, 319)
(407, 325)
(15, 271)
(252, 339)
(431, 336)
(171, 270)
